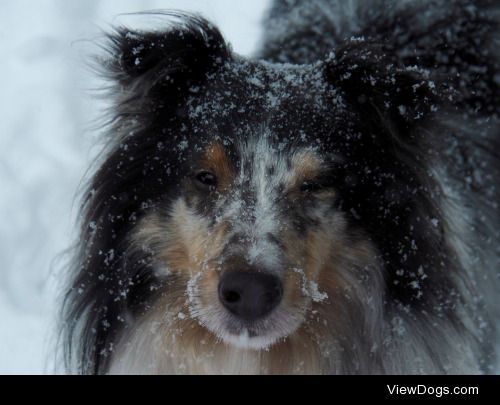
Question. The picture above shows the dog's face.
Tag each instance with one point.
(249, 237)
(254, 235)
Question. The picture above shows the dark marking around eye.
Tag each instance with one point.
(334, 178)
(311, 187)
(207, 179)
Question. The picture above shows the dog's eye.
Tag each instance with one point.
(311, 187)
(207, 179)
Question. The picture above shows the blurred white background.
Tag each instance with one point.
(46, 116)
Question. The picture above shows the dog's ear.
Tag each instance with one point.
(388, 98)
(176, 58)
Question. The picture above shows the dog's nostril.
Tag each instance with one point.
(250, 295)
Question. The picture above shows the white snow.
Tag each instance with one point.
(316, 295)
(47, 110)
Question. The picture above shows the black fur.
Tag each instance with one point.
(392, 101)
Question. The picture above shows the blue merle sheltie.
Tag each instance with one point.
(329, 206)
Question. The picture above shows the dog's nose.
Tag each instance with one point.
(250, 295)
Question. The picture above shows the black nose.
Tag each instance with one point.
(250, 296)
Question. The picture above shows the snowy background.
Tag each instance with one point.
(47, 111)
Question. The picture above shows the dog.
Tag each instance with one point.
(329, 206)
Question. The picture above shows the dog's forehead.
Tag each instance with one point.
(295, 102)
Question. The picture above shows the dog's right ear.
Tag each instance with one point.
(390, 99)
(173, 59)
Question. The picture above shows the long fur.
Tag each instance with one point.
(404, 92)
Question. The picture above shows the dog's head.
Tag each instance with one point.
(259, 200)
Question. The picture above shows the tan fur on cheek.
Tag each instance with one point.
(190, 249)
(185, 243)
(192, 252)
(319, 247)
(310, 255)
(187, 235)
(191, 243)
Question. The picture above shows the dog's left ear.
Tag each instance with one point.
(160, 66)
(387, 97)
